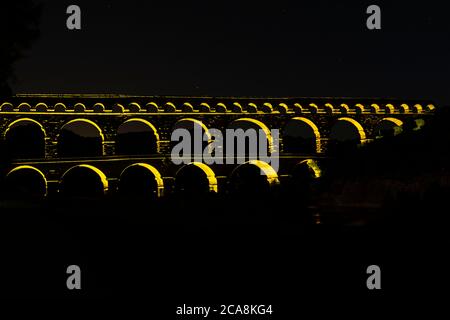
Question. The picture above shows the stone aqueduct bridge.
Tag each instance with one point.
(43, 132)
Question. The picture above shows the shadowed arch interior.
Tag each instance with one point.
(80, 138)
(304, 176)
(196, 178)
(253, 177)
(83, 181)
(141, 180)
(347, 129)
(137, 137)
(248, 126)
(301, 135)
(306, 170)
(25, 182)
(346, 134)
(25, 139)
(197, 130)
(388, 127)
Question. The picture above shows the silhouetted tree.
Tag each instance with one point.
(18, 28)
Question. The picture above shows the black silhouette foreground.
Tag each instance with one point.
(368, 204)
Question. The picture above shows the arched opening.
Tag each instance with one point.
(301, 135)
(84, 181)
(254, 177)
(25, 182)
(25, 139)
(248, 139)
(195, 178)
(141, 180)
(388, 127)
(346, 135)
(136, 137)
(306, 171)
(304, 177)
(80, 138)
(200, 137)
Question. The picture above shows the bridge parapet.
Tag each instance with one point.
(154, 104)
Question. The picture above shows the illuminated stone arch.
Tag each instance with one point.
(190, 123)
(25, 139)
(137, 137)
(260, 130)
(84, 181)
(346, 134)
(301, 135)
(306, 171)
(195, 177)
(25, 182)
(141, 180)
(388, 127)
(80, 138)
(6, 107)
(304, 176)
(347, 129)
(41, 107)
(194, 126)
(253, 177)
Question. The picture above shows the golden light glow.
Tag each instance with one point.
(329, 108)
(360, 107)
(260, 125)
(153, 170)
(431, 108)
(187, 121)
(375, 108)
(404, 108)
(26, 167)
(23, 121)
(314, 128)
(418, 108)
(97, 171)
(396, 121)
(357, 125)
(390, 108)
(142, 121)
(313, 108)
(210, 175)
(92, 123)
(266, 170)
(313, 165)
(344, 108)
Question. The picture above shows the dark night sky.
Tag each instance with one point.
(315, 48)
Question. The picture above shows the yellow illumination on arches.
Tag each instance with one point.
(266, 170)
(357, 125)
(309, 123)
(313, 126)
(85, 121)
(396, 121)
(210, 175)
(26, 167)
(153, 170)
(197, 122)
(147, 123)
(18, 121)
(261, 125)
(97, 171)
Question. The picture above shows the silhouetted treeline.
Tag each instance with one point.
(406, 175)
